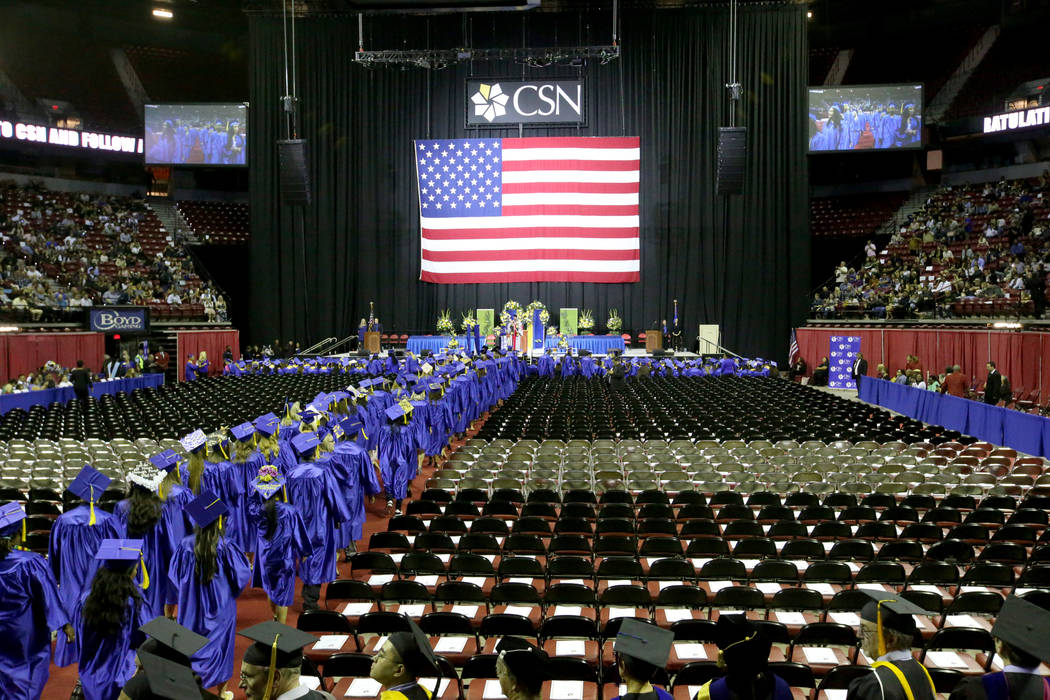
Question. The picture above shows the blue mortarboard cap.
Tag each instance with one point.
(338, 396)
(206, 509)
(165, 460)
(89, 484)
(194, 441)
(265, 418)
(243, 431)
(395, 412)
(11, 516)
(304, 442)
(420, 388)
(119, 551)
(267, 427)
(267, 488)
(410, 378)
(352, 428)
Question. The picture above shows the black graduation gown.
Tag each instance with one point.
(1022, 686)
(883, 684)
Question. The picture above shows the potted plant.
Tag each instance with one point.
(586, 322)
(614, 323)
(444, 324)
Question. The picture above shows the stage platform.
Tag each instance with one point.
(630, 352)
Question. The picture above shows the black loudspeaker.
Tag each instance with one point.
(662, 353)
(732, 151)
(295, 183)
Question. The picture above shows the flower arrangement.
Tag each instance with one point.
(444, 324)
(544, 314)
(586, 320)
(505, 316)
(563, 342)
(453, 343)
(614, 322)
(468, 321)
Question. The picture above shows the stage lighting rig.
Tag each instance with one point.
(539, 57)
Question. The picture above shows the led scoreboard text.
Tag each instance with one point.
(72, 138)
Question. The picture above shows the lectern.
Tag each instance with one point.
(654, 340)
(372, 342)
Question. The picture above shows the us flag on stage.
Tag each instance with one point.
(561, 209)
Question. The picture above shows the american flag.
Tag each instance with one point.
(793, 351)
(561, 209)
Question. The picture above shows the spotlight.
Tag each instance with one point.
(161, 13)
(809, 14)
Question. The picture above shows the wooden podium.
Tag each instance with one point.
(371, 342)
(654, 340)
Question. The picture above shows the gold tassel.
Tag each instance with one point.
(878, 626)
(273, 668)
(91, 504)
(284, 489)
(145, 574)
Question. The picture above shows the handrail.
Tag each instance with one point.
(338, 344)
(313, 348)
(725, 350)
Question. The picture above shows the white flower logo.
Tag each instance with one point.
(489, 101)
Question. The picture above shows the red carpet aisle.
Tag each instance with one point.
(252, 606)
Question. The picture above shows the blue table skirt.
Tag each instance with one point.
(1024, 432)
(596, 344)
(45, 397)
(421, 343)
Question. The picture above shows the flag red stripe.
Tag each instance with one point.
(586, 187)
(529, 276)
(572, 210)
(564, 232)
(599, 165)
(573, 142)
(531, 254)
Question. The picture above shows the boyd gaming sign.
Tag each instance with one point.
(119, 319)
(492, 102)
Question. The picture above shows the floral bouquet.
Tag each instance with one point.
(444, 324)
(614, 322)
(586, 320)
(468, 322)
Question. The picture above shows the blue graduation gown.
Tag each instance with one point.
(30, 608)
(158, 548)
(546, 365)
(107, 662)
(397, 458)
(202, 368)
(314, 492)
(225, 481)
(191, 372)
(71, 554)
(210, 609)
(353, 471)
(276, 558)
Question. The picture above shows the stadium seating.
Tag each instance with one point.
(852, 216)
(220, 223)
(993, 80)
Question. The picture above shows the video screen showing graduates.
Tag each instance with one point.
(865, 118)
(196, 134)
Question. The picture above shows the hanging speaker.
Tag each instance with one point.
(732, 151)
(295, 183)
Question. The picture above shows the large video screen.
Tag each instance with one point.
(196, 134)
(865, 118)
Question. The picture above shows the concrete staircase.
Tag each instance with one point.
(911, 205)
(172, 218)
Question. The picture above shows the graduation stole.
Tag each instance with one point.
(904, 681)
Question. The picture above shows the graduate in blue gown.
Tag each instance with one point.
(545, 364)
(30, 608)
(160, 525)
(282, 540)
(351, 466)
(313, 491)
(191, 369)
(109, 620)
(75, 538)
(397, 454)
(203, 366)
(209, 573)
(243, 467)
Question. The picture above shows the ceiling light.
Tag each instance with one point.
(809, 15)
(161, 13)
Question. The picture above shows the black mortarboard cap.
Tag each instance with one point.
(527, 663)
(167, 679)
(289, 645)
(644, 641)
(1024, 626)
(174, 636)
(895, 611)
(415, 651)
(741, 642)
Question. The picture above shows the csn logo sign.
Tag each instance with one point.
(524, 102)
(119, 320)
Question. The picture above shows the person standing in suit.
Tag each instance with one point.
(1021, 643)
(993, 385)
(860, 369)
(81, 379)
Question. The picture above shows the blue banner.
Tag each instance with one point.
(119, 319)
(538, 331)
(842, 352)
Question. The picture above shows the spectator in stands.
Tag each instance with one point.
(901, 377)
(911, 362)
(915, 379)
(955, 382)
(880, 371)
(81, 379)
(992, 384)
(933, 382)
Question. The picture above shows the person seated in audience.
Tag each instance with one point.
(271, 667)
(880, 371)
(887, 631)
(1021, 643)
(820, 373)
(901, 377)
(641, 650)
(403, 659)
(521, 669)
(743, 652)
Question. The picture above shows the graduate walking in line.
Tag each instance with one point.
(30, 609)
(209, 573)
